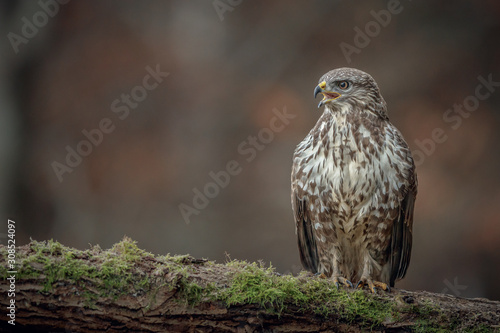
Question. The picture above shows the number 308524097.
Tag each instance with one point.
(11, 242)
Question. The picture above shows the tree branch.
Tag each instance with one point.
(125, 289)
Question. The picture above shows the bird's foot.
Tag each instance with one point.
(372, 285)
(340, 280)
(337, 280)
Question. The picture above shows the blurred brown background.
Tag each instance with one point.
(229, 65)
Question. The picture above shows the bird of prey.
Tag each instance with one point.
(354, 187)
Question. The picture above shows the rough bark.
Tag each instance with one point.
(125, 289)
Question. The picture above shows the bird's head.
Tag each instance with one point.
(349, 87)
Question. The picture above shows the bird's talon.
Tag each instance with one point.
(381, 285)
(372, 285)
(339, 280)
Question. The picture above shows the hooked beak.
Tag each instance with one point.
(328, 96)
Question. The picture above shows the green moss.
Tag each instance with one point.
(129, 252)
(255, 284)
(113, 270)
(424, 326)
(190, 292)
(258, 285)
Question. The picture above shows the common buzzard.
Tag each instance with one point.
(354, 187)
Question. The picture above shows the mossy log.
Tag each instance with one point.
(125, 289)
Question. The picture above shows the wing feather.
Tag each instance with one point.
(402, 235)
(305, 234)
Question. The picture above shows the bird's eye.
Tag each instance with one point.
(343, 85)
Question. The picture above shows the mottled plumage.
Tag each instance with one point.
(354, 186)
